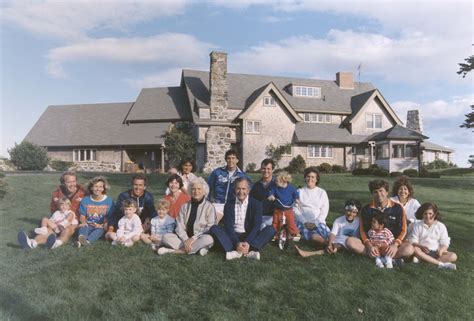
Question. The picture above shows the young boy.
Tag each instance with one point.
(160, 225)
(284, 195)
(129, 226)
(381, 238)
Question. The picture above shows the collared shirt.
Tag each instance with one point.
(240, 213)
(432, 236)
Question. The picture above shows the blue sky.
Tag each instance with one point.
(58, 52)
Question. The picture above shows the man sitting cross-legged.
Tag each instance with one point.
(241, 235)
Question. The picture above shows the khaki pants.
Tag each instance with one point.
(172, 240)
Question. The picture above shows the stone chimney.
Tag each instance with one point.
(218, 102)
(414, 120)
(345, 80)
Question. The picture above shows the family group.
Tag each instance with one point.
(243, 217)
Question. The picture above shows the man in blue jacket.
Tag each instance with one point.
(241, 235)
(144, 199)
(221, 182)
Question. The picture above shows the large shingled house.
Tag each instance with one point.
(340, 122)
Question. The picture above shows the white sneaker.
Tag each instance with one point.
(128, 243)
(254, 255)
(203, 251)
(41, 230)
(379, 263)
(232, 255)
(115, 242)
(416, 260)
(57, 244)
(388, 262)
(448, 266)
(24, 240)
(164, 250)
(77, 244)
(83, 240)
(153, 246)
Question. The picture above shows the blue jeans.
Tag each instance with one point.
(262, 238)
(91, 233)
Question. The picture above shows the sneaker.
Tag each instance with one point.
(379, 263)
(115, 242)
(448, 266)
(57, 244)
(83, 240)
(128, 243)
(389, 265)
(24, 240)
(153, 247)
(399, 262)
(203, 251)
(232, 255)
(50, 241)
(164, 250)
(297, 238)
(416, 260)
(41, 230)
(77, 244)
(388, 262)
(254, 255)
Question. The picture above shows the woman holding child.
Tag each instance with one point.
(194, 220)
(312, 210)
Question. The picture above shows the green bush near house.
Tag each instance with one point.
(28, 156)
(427, 174)
(296, 165)
(338, 169)
(60, 165)
(363, 171)
(325, 168)
(396, 174)
(381, 172)
(410, 172)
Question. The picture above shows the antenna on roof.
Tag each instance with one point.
(358, 70)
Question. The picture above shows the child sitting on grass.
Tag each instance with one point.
(381, 238)
(284, 195)
(343, 227)
(94, 210)
(60, 219)
(430, 239)
(160, 225)
(129, 226)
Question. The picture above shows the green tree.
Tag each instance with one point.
(469, 121)
(276, 153)
(179, 144)
(465, 68)
(471, 160)
(28, 156)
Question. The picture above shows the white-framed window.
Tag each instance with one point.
(328, 119)
(252, 127)
(373, 121)
(307, 91)
(319, 151)
(269, 101)
(84, 155)
(382, 151)
(317, 118)
(404, 151)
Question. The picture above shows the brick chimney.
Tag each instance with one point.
(345, 80)
(218, 101)
(414, 120)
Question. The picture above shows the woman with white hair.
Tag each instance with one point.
(194, 220)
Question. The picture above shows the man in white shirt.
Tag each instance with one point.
(241, 235)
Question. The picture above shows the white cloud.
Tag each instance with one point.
(166, 78)
(72, 20)
(275, 19)
(170, 49)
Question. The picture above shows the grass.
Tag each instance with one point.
(110, 283)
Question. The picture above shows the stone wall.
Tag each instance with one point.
(6, 166)
(217, 143)
(414, 120)
(97, 167)
(218, 86)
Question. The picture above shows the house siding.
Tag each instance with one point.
(276, 127)
(359, 125)
(336, 159)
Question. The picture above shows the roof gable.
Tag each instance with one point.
(258, 95)
(398, 132)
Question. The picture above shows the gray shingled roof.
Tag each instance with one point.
(160, 104)
(398, 132)
(96, 125)
(242, 86)
(325, 133)
(435, 147)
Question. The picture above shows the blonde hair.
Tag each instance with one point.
(64, 200)
(163, 204)
(284, 176)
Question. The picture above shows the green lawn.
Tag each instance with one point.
(102, 282)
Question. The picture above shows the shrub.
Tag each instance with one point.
(60, 165)
(362, 171)
(338, 169)
(179, 144)
(381, 172)
(296, 165)
(437, 164)
(426, 174)
(396, 174)
(410, 172)
(325, 168)
(28, 156)
(251, 167)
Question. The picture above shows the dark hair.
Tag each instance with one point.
(267, 161)
(139, 176)
(129, 202)
(353, 202)
(427, 206)
(184, 161)
(402, 180)
(377, 184)
(242, 179)
(312, 169)
(173, 177)
(96, 180)
(231, 152)
(62, 179)
(381, 218)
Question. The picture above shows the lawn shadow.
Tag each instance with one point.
(13, 245)
(18, 308)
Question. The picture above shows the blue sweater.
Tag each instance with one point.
(221, 184)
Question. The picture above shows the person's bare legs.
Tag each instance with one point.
(67, 233)
(308, 253)
(355, 245)
(404, 250)
(320, 242)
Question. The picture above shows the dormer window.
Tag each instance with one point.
(306, 91)
(317, 118)
(269, 101)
